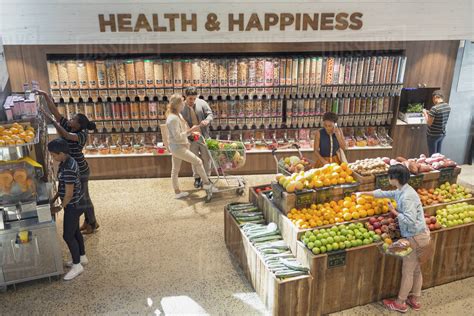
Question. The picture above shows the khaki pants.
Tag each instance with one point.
(412, 278)
(200, 150)
(181, 153)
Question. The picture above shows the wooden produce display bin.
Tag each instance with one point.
(343, 279)
(288, 230)
(430, 210)
(430, 180)
(256, 198)
(281, 297)
(287, 201)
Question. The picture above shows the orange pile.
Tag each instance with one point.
(16, 135)
(338, 211)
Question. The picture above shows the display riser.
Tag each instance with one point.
(369, 276)
(281, 297)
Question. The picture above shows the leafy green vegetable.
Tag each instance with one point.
(415, 108)
(212, 144)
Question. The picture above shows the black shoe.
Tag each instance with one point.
(197, 183)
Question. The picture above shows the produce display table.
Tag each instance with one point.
(352, 277)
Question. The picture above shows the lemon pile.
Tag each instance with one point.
(17, 134)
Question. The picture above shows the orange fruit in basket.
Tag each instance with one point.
(22, 135)
(355, 215)
(363, 213)
(20, 142)
(28, 139)
(16, 137)
(349, 179)
(14, 130)
(347, 203)
(344, 166)
(7, 132)
(349, 171)
(341, 181)
(361, 201)
(334, 181)
(370, 212)
(347, 216)
(326, 182)
(11, 142)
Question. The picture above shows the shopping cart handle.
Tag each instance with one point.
(274, 150)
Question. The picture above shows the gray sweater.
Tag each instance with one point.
(203, 112)
(177, 128)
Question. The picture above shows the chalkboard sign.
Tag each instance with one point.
(337, 259)
(303, 199)
(446, 175)
(323, 195)
(416, 181)
(381, 181)
(348, 190)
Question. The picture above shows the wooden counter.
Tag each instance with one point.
(156, 166)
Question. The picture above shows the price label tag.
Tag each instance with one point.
(445, 175)
(150, 93)
(323, 195)
(337, 259)
(381, 181)
(416, 181)
(304, 198)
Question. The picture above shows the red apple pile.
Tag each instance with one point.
(263, 189)
(432, 223)
(384, 226)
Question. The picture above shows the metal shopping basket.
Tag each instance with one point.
(228, 156)
(280, 163)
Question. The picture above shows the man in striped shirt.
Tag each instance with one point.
(437, 118)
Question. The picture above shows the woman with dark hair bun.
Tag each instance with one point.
(329, 142)
(74, 131)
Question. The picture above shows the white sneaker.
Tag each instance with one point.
(84, 261)
(76, 270)
(181, 195)
(210, 187)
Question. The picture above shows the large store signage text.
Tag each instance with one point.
(175, 22)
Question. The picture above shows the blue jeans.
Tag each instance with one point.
(434, 143)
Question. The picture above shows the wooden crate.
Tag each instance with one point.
(288, 230)
(335, 288)
(281, 297)
(431, 209)
(256, 198)
(287, 201)
(431, 180)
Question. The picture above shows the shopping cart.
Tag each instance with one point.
(225, 156)
(280, 163)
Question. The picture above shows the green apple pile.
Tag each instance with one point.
(338, 237)
(453, 192)
(455, 214)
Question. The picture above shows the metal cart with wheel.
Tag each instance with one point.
(280, 164)
(230, 155)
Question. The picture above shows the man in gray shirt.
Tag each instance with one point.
(198, 112)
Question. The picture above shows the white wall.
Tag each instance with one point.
(457, 140)
(76, 21)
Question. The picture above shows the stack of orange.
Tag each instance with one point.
(338, 211)
(331, 174)
(16, 135)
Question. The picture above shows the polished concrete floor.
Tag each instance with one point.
(156, 255)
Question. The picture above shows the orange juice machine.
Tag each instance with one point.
(29, 246)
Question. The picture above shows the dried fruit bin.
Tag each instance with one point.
(281, 297)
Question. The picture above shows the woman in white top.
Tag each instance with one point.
(178, 132)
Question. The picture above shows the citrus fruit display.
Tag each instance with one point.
(329, 175)
(338, 237)
(350, 208)
(16, 134)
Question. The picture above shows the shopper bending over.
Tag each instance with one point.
(69, 190)
(412, 227)
(437, 118)
(178, 133)
(329, 142)
(75, 133)
(198, 112)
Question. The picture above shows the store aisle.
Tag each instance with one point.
(156, 254)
